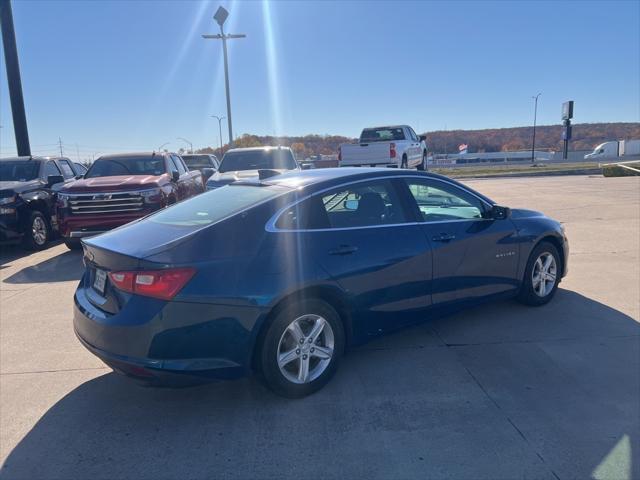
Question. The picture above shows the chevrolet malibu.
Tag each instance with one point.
(280, 274)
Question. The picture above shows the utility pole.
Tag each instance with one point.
(13, 79)
(220, 17)
(60, 145)
(535, 115)
(220, 129)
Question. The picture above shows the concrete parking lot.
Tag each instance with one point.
(500, 391)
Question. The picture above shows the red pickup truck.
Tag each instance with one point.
(121, 188)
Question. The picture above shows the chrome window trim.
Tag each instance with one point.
(271, 224)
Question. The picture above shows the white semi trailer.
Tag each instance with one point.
(615, 149)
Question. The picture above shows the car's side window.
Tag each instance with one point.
(360, 204)
(178, 165)
(67, 171)
(50, 168)
(414, 137)
(438, 201)
(172, 165)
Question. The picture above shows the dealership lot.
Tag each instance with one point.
(500, 391)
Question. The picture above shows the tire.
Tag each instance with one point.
(423, 165)
(534, 292)
(37, 231)
(73, 243)
(282, 337)
(404, 164)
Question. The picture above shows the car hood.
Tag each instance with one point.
(219, 178)
(116, 183)
(8, 189)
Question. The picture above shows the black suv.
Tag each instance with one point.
(28, 187)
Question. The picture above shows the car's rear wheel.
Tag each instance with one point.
(37, 232)
(423, 164)
(542, 275)
(302, 348)
(404, 163)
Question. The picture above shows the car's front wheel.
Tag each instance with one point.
(542, 275)
(37, 231)
(423, 164)
(302, 348)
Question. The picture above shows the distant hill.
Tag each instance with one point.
(548, 137)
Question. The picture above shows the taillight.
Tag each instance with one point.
(163, 284)
(339, 154)
(392, 150)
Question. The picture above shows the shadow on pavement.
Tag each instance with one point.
(61, 268)
(409, 408)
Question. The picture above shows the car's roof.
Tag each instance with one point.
(133, 154)
(301, 178)
(32, 158)
(255, 149)
(386, 126)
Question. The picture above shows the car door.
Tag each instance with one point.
(473, 256)
(181, 186)
(366, 240)
(415, 155)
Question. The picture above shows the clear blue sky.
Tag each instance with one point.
(118, 75)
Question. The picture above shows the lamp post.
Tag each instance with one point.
(161, 146)
(220, 17)
(535, 115)
(220, 129)
(186, 141)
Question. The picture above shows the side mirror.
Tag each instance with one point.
(423, 138)
(306, 166)
(175, 176)
(207, 172)
(499, 213)
(53, 179)
(78, 177)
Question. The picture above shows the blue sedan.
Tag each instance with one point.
(280, 274)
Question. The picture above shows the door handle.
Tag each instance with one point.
(443, 237)
(343, 250)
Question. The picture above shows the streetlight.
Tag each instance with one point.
(186, 141)
(220, 17)
(535, 115)
(160, 147)
(220, 128)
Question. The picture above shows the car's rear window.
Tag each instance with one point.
(257, 159)
(381, 135)
(193, 160)
(134, 165)
(215, 205)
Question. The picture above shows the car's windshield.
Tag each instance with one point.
(280, 158)
(215, 205)
(135, 165)
(19, 171)
(370, 135)
(197, 160)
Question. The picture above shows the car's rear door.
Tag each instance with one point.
(473, 256)
(363, 236)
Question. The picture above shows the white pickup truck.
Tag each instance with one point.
(392, 146)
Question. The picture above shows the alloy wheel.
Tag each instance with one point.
(544, 274)
(305, 349)
(39, 231)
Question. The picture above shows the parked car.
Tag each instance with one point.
(28, 187)
(118, 189)
(244, 163)
(207, 164)
(305, 264)
(392, 146)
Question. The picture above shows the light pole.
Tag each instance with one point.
(220, 129)
(220, 17)
(160, 147)
(186, 141)
(535, 115)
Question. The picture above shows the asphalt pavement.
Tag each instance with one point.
(499, 391)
